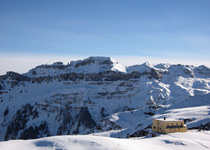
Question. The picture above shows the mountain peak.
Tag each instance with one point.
(97, 95)
(96, 64)
(88, 65)
(141, 68)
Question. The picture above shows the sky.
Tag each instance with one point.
(130, 31)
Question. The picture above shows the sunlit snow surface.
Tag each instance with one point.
(192, 140)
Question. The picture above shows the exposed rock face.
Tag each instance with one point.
(71, 124)
(107, 125)
(203, 126)
(34, 132)
(19, 121)
(89, 95)
(66, 121)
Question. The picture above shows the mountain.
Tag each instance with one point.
(98, 95)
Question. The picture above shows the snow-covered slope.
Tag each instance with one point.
(192, 140)
(98, 95)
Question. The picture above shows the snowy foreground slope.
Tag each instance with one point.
(193, 140)
(99, 96)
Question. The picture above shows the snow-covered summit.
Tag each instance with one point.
(145, 67)
(96, 64)
(88, 65)
(162, 66)
(102, 64)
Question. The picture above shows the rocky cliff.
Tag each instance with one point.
(97, 95)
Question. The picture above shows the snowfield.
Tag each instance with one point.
(192, 140)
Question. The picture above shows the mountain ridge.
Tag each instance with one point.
(85, 96)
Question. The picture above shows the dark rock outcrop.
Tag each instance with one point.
(202, 127)
(36, 132)
(20, 120)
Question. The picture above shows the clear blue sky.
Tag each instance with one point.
(157, 28)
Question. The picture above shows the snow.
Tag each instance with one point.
(191, 140)
(196, 109)
(183, 93)
(89, 65)
(117, 66)
(145, 67)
